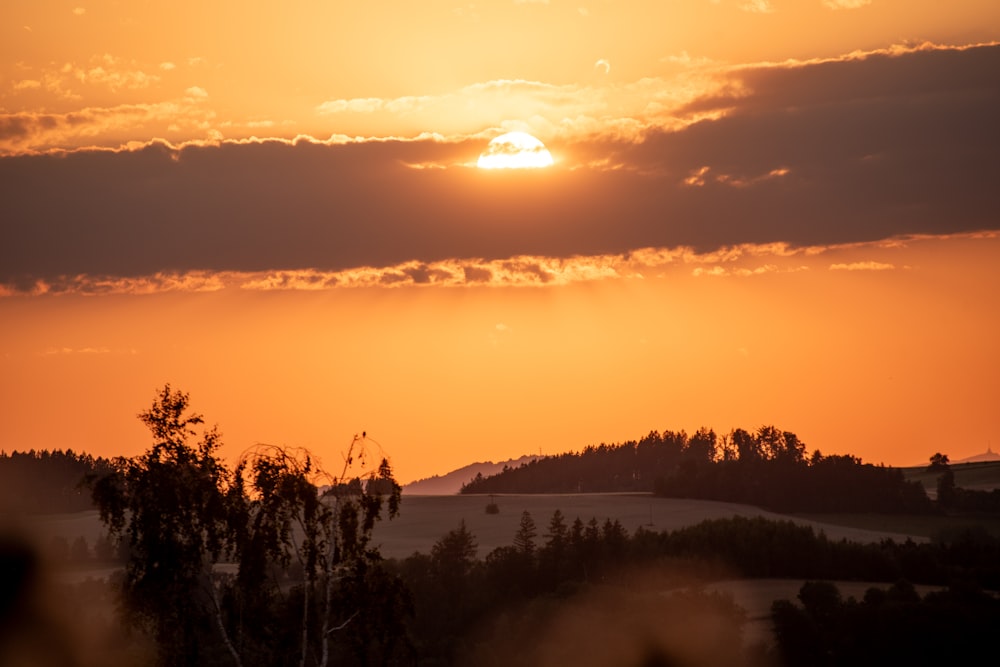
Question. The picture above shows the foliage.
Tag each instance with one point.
(768, 468)
(47, 481)
(888, 626)
(955, 500)
(169, 505)
(466, 606)
(302, 555)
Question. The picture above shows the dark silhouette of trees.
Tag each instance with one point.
(453, 555)
(945, 482)
(47, 482)
(955, 500)
(505, 596)
(524, 539)
(888, 626)
(302, 555)
(170, 505)
(768, 467)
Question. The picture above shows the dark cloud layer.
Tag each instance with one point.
(825, 153)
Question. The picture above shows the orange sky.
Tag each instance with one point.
(761, 212)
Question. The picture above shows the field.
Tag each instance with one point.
(424, 519)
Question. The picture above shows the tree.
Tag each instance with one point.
(524, 539)
(281, 518)
(938, 462)
(747, 446)
(178, 512)
(169, 506)
(946, 492)
(558, 534)
(452, 556)
(701, 447)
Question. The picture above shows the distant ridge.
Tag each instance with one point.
(988, 455)
(451, 483)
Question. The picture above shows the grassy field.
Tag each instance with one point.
(424, 519)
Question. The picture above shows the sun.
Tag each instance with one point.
(515, 150)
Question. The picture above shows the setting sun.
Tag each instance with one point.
(515, 150)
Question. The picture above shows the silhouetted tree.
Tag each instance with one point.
(179, 511)
(524, 539)
(454, 554)
(47, 481)
(946, 492)
(169, 505)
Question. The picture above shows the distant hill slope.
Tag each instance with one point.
(988, 455)
(971, 473)
(451, 483)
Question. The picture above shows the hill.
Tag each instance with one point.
(987, 456)
(767, 468)
(452, 482)
(973, 473)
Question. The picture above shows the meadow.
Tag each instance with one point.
(425, 519)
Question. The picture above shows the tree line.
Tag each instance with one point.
(767, 467)
(467, 608)
(268, 562)
(43, 482)
(888, 626)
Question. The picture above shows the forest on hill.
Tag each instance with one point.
(768, 468)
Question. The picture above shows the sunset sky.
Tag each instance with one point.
(760, 212)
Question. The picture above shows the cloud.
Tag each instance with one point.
(568, 111)
(862, 266)
(86, 351)
(110, 73)
(845, 4)
(27, 132)
(757, 6)
(802, 154)
(357, 105)
(742, 261)
(101, 71)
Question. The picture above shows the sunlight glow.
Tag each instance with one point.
(515, 150)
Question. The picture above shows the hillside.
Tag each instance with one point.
(974, 473)
(452, 482)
